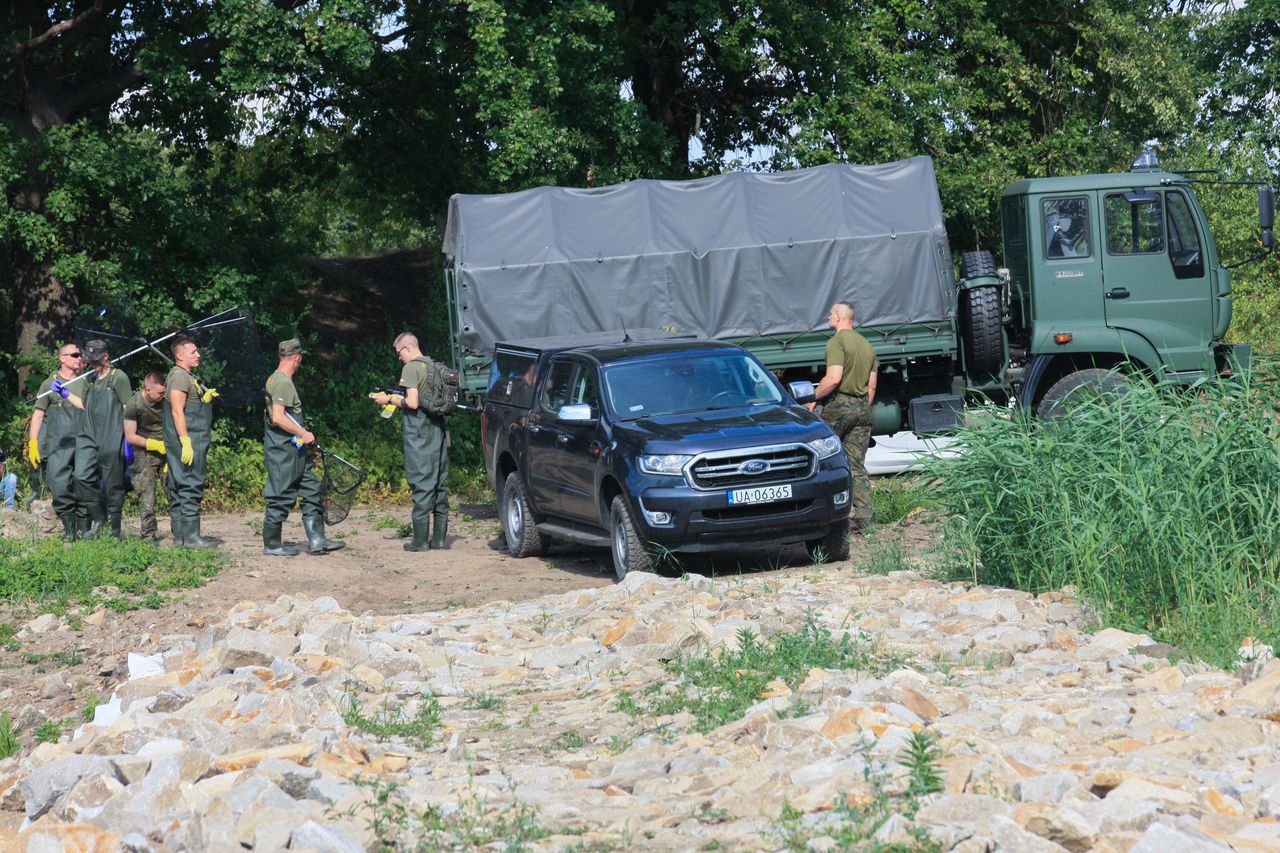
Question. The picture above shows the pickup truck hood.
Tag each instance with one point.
(718, 429)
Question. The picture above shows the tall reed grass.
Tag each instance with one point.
(1161, 506)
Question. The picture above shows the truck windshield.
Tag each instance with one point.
(688, 383)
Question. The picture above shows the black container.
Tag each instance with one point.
(936, 413)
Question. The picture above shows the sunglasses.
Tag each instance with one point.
(73, 355)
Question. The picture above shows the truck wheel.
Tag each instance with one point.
(980, 329)
(629, 551)
(975, 264)
(523, 537)
(832, 548)
(1080, 386)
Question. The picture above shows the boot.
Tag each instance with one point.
(192, 538)
(69, 527)
(179, 528)
(271, 544)
(420, 533)
(91, 526)
(439, 532)
(113, 521)
(317, 542)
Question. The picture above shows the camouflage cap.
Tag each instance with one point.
(293, 346)
(94, 350)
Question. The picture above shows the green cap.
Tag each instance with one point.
(94, 350)
(293, 346)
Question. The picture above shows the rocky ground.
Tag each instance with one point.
(295, 724)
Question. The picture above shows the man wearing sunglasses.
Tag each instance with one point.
(55, 425)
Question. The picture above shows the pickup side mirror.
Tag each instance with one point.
(1267, 215)
(803, 391)
(579, 413)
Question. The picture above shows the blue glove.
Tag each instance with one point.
(128, 452)
(60, 388)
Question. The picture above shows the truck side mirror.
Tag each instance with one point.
(803, 392)
(579, 413)
(1267, 215)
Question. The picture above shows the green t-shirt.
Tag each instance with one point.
(76, 385)
(149, 417)
(115, 382)
(282, 392)
(850, 349)
(416, 375)
(179, 379)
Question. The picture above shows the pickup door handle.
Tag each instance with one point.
(1118, 293)
(562, 438)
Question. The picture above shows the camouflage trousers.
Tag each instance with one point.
(146, 473)
(850, 419)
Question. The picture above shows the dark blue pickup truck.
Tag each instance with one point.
(658, 445)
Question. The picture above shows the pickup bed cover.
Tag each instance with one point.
(731, 256)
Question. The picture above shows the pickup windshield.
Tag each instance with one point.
(688, 383)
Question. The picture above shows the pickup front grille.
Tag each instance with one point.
(733, 469)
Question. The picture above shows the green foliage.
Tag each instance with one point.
(484, 700)
(887, 556)
(50, 731)
(389, 721)
(920, 759)
(717, 689)
(50, 571)
(1161, 507)
(568, 740)
(8, 736)
(894, 498)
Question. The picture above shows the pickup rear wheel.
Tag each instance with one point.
(629, 551)
(832, 548)
(523, 537)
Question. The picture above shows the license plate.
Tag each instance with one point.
(760, 495)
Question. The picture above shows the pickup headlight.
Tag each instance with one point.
(825, 447)
(671, 463)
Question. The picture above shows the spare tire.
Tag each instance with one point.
(983, 339)
(976, 264)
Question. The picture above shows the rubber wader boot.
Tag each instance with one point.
(178, 528)
(317, 542)
(90, 525)
(271, 544)
(113, 520)
(192, 538)
(439, 532)
(420, 533)
(69, 527)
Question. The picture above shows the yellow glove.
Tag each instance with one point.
(208, 395)
(33, 452)
(187, 455)
(155, 445)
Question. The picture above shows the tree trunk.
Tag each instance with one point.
(44, 310)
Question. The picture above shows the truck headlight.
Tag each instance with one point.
(670, 463)
(825, 447)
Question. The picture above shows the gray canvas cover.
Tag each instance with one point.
(735, 255)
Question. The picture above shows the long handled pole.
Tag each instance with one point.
(206, 323)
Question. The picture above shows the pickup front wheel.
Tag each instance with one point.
(523, 537)
(629, 552)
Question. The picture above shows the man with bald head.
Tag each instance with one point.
(850, 383)
(426, 447)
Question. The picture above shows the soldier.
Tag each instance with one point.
(289, 462)
(426, 448)
(55, 425)
(100, 466)
(188, 421)
(850, 381)
(144, 429)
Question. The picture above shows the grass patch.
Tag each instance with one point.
(568, 740)
(390, 721)
(887, 556)
(484, 700)
(8, 736)
(894, 498)
(52, 573)
(1161, 506)
(853, 826)
(717, 689)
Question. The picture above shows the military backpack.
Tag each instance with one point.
(441, 397)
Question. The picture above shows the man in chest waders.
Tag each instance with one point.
(55, 427)
(289, 462)
(144, 429)
(102, 441)
(426, 448)
(188, 420)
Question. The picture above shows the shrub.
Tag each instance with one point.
(1162, 507)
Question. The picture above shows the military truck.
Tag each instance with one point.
(1099, 271)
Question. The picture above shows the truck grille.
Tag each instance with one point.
(728, 469)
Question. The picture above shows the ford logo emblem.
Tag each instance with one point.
(753, 466)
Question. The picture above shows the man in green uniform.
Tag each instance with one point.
(426, 448)
(144, 429)
(55, 426)
(850, 382)
(102, 440)
(188, 422)
(288, 448)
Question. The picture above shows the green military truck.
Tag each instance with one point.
(1099, 271)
